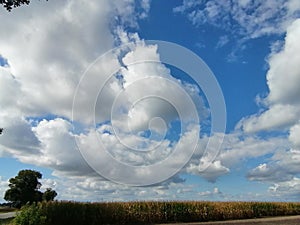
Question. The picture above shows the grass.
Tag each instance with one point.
(61, 213)
(6, 221)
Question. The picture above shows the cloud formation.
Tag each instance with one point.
(50, 46)
(281, 114)
(47, 53)
(245, 18)
(282, 103)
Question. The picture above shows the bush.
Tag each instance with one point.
(30, 215)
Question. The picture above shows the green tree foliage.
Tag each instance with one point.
(25, 187)
(49, 195)
(30, 215)
(9, 4)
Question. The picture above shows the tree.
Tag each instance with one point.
(25, 188)
(1, 130)
(10, 4)
(49, 195)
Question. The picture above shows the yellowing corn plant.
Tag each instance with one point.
(74, 213)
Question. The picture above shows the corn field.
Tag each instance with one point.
(74, 213)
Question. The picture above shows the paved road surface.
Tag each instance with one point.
(7, 215)
(287, 220)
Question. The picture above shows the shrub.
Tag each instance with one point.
(30, 215)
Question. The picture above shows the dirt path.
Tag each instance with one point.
(7, 215)
(286, 220)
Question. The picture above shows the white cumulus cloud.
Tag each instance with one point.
(283, 77)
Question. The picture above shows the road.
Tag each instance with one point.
(7, 215)
(286, 220)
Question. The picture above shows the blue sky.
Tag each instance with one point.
(86, 116)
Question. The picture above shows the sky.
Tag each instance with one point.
(130, 100)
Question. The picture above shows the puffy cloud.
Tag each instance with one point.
(10, 91)
(18, 137)
(281, 108)
(211, 173)
(129, 12)
(3, 186)
(278, 116)
(268, 173)
(17, 133)
(58, 148)
(124, 164)
(210, 194)
(288, 161)
(281, 113)
(248, 19)
(284, 189)
(142, 96)
(236, 149)
(47, 51)
(50, 144)
(283, 77)
(284, 165)
(294, 135)
(93, 188)
(47, 57)
(48, 47)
